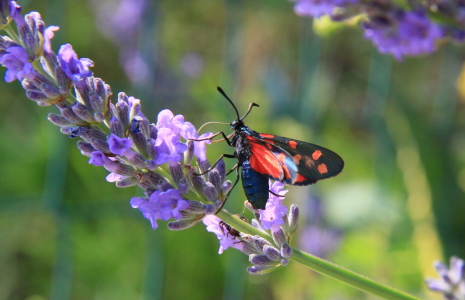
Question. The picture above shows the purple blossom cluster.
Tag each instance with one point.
(264, 255)
(452, 281)
(393, 29)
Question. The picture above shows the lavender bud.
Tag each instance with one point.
(98, 116)
(183, 187)
(94, 132)
(151, 165)
(189, 154)
(210, 192)
(119, 168)
(256, 224)
(221, 167)
(122, 110)
(69, 115)
(261, 260)
(151, 177)
(144, 127)
(135, 109)
(195, 207)
(127, 182)
(272, 253)
(219, 203)
(82, 94)
(51, 91)
(85, 148)
(100, 145)
(214, 178)
(116, 127)
(63, 80)
(153, 131)
(28, 85)
(151, 148)
(284, 262)
(286, 251)
(259, 270)
(209, 209)
(82, 112)
(259, 242)
(96, 102)
(248, 249)
(140, 142)
(183, 224)
(111, 111)
(226, 187)
(59, 120)
(165, 186)
(36, 96)
(46, 66)
(176, 173)
(135, 159)
(204, 165)
(99, 88)
(279, 237)
(198, 182)
(293, 218)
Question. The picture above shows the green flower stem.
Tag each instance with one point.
(12, 33)
(322, 266)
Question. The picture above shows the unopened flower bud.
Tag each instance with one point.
(122, 110)
(272, 253)
(153, 131)
(259, 270)
(259, 242)
(204, 165)
(164, 186)
(63, 80)
(151, 165)
(221, 167)
(100, 145)
(85, 148)
(96, 102)
(286, 251)
(183, 224)
(36, 96)
(135, 159)
(176, 173)
(69, 115)
(226, 187)
(82, 112)
(284, 262)
(293, 218)
(261, 260)
(183, 187)
(140, 142)
(198, 183)
(189, 154)
(116, 127)
(59, 120)
(119, 168)
(127, 182)
(209, 209)
(214, 178)
(98, 116)
(279, 237)
(210, 192)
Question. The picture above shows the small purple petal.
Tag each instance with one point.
(76, 69)
(48, 36)
(19, 67)
(119, 145)
(98, 158)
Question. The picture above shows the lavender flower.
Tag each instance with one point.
(318, 8)
(48, 36)
(17, 62)
(452, 282)
(76, 69)
(226, 239)
(118, 145)
(161, 205)
(405, 34)
(272, 216)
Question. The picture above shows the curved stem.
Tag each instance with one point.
(322, 266)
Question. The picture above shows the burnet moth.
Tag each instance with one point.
(264, 156)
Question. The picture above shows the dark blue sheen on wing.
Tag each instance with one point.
(255, 186)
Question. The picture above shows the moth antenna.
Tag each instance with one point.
(211, 123)
(224, 94)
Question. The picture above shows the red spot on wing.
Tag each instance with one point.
(269, 146)
(264, 135)
(264, 161)
(293, 144)
(300, 178)
(322, 169)
(316, 154)
(297, 158)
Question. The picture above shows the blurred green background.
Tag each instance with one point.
(66, 233)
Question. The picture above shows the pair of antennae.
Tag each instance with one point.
(237, 113)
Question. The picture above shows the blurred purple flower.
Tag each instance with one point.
(192, 64)
(16, 60)
(318, 8)
(452, 283)
(189, 132)
(48, 36)
(408, 34)
(161, 205)
(319, 241)
(166, 119)
(226, 239)
(272, 216)
(76, 69)
(119, 145)
(97, 158)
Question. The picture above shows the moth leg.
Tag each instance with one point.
(276, 194)
(227, 195)
(207, 138)
(217, 161)
(230, 171)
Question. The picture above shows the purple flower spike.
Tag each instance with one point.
(119, 145)
(48, 36)
(318, 8)
(162, 205)
(189, 132)
(274, 212)
(226, 240)
(168, 147)
(76, 69)
(97, 158)
(16, 60)
(166, 119)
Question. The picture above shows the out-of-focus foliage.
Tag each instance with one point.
(66, 233)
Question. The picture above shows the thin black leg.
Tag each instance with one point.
(227, 196)
(217, 161)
